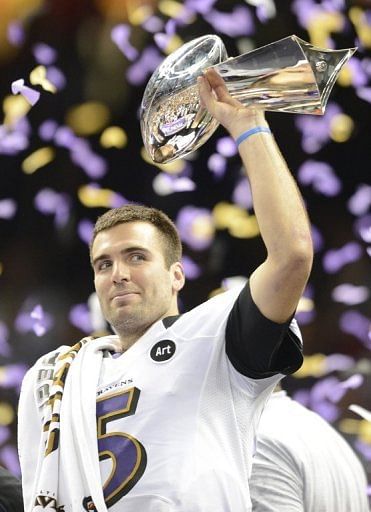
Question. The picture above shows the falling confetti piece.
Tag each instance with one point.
(29, 94)
(8, 208)
(7, 414)
(321, 176)
(38, 77)
(113, 137)
(92, 196)
(350, 294)
(120, 35)
(88, 118)
(341, 128)
(44, 54)
(335, 259)
(37, 159)
(15, 108)
(196, 227)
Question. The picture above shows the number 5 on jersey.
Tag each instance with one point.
(128, 456)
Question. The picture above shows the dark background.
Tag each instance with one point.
(44, 264)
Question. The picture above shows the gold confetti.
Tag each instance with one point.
(140, 14)
(321, 26)
(38, 77)
(170, 8)
(244, 227)
(88, 118)
(224, 213)
(203, 228)
(361, 24)
(345, 76)
(305, 305)
(113, 136)
(341, 128)
(38, 159)
(7, 414)
(313, 366)
(15, 107)
(173, 44)
(93, 197)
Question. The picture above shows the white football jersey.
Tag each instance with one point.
(303, 464)
(176, 423)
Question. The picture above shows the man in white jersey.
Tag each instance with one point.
(162, 416)
(302, 464)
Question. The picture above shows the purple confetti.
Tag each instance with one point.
(79, 316)
(362, 227)
(338, 362)
(364, 93)
(315, 130)
(9, 456)
(335, 259)
(15, 33)
(24, 323)
(48, 129)
(358, 74)
(153, 24)
(365, 450)
(13, 376)
(120, 35)
(317, 238)
(49, 202)
(321, 176)
(360, 201)
(4, 434)
(85, 230)
(29, 94)
(242, 194)
(8, 208)
(44, 54)
(138, 72)
(164, 184)
(201, 7)
(12, 142)
(226, 146)
(217, 164)
(5, 349)
(354, 323)
(237, 23)
(56, 77)
(187, 220)
(191, 269)
(350, 294)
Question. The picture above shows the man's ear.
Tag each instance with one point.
(178, 276)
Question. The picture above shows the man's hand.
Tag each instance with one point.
(234, 116)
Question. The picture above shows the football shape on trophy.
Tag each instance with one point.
(171, 117)
(289, 75)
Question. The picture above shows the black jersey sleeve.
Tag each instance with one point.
(256, 346)
(10, 492)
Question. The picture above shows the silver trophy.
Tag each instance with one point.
(289, 75)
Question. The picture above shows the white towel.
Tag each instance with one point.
(68, 461)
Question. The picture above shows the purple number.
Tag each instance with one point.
(128, 456)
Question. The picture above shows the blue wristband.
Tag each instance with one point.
(250, 132)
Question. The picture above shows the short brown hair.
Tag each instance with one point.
(134, 213)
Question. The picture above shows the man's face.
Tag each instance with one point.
(134, 287)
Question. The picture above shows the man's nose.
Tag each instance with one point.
(120, 272)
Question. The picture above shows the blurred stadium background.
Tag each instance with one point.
(78, 151)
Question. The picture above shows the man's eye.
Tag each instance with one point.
(104, 264)
(137, 257)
